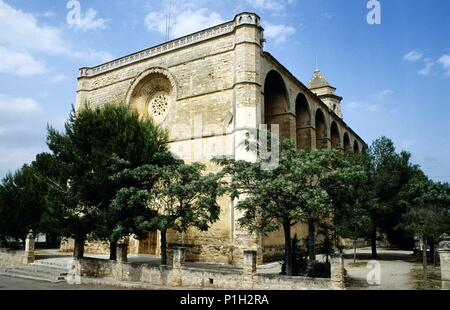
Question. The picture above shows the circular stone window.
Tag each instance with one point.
(159, 106)
(152, 96)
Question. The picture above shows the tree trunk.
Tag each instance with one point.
(78, 251)
(433, 251)
(288, 248)
(354, 250)
(163, 247)
(311, 239)
(424, 252)
(113, 250)
(373, 242)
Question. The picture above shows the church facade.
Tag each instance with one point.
(209, 89)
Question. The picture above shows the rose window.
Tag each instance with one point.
(158, 106)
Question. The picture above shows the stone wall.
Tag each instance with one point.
(179, 275)
(10, 259)
(162, 275)
(276, 282)
(444, 258)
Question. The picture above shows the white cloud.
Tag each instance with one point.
(48, 14)
(428, 69)
(12, 159)
(22, 131)
(58, 78)
(156, 22)
(269, 5)
(355, 105)
(278, 33)
(23, 41)
(18, 105)
(413, 56)
(185, 22)
(21, 31)
(384, 93)
(444, 61)
(374, 108)
(90, 22)
(93, 56)
(19, 63)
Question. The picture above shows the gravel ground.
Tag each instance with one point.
(399, 270)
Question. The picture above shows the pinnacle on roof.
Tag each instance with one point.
(318, 80)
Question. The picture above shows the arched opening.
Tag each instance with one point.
(335, 136)
(356, 147)
(347, 146)
(276, 104)
(364, 149)
(152, 94)
(321, 131)
(303, 121)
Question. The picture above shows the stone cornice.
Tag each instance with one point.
(200, 36)
(160, 49)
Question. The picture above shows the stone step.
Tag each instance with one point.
(52, 265)
(43, 271)
(14, 273)
(63, 264)
(38, 271)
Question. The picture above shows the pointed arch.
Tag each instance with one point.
(356, 147)
(303, 122)
(335, 136)
(276, 103)
(321, 130)
(347, 146)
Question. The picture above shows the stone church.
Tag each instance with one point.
(208, 89)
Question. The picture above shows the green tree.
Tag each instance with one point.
(388, 173)
(351, 195)
(97, 144)
(172, 197)
(63, 214)
(21, 203)
(428, 210)
(280, 198)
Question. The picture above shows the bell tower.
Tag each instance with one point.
(327, 93)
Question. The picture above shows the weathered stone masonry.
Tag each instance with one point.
(97, 271)
(208, 89)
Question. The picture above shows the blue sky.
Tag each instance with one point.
(394, 77)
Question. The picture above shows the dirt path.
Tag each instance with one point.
(394, 270)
